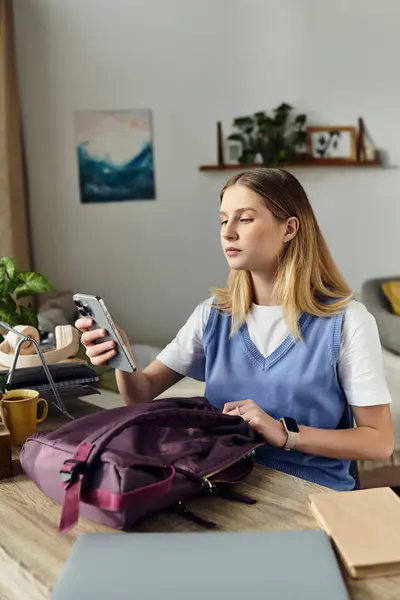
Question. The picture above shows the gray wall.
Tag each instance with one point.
(194, 63)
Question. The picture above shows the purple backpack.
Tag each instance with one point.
(117, 466)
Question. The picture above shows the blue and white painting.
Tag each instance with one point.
(115, 155)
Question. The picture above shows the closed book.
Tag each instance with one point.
(63, 373)
(364, 526)
(60, 385)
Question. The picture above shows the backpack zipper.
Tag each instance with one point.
(202, 480)
(206, 477)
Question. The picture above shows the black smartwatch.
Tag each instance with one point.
(292, 430)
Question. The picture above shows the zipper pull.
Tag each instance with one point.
(207, 482)
(248, 455)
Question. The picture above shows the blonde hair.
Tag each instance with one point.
(306, 276)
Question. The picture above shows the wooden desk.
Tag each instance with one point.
(32, 554)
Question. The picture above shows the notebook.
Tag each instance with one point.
(278, 565)
(65, 374)
(364, 526)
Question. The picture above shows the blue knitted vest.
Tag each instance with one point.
(299, 379)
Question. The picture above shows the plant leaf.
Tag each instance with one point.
(260, 115)
(299, 137)
(242, 122)
(8, 312)
(236, 137)
(7, 307)
(4, 282)
(28, 316)
(300, 120)
(9, 265)
(31, 283)
(284, 107)
(277, 138)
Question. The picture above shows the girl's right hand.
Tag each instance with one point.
(101, 352)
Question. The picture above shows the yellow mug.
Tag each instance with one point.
(18, 410)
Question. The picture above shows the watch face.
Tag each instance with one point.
(291, 425)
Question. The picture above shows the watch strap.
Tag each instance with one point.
(291, 437)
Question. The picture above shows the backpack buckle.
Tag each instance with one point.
(70, 474)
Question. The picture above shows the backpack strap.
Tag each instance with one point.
(104, 499)
(71, 475)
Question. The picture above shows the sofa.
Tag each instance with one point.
(389, 332)
(378, 305)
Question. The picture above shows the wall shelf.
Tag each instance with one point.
(327, 162)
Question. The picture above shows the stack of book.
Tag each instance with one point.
(364, 528)
(72, 378)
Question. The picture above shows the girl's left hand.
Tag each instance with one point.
(270, 429)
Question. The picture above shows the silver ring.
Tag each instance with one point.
(238, 411)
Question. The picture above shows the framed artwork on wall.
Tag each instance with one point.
(325, 142)
(115, 155)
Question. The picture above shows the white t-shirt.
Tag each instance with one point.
(360, 364)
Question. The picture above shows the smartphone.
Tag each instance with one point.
(93, 307)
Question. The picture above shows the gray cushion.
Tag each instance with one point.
(378, 305)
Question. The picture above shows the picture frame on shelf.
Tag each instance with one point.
(233, 150)
(332, 142)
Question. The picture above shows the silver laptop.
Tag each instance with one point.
(281, 565)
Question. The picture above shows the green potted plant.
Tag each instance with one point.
(14, 285)
(278, 138)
